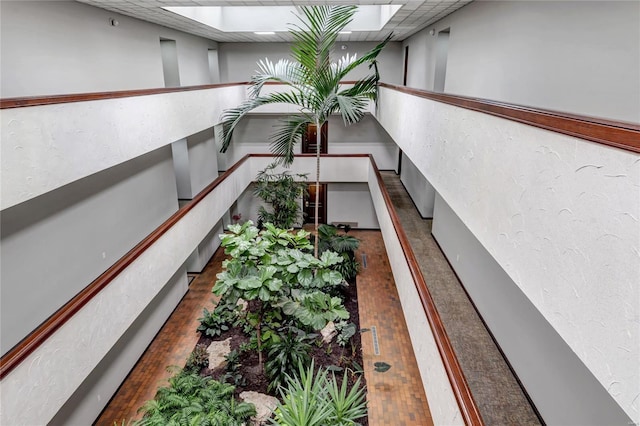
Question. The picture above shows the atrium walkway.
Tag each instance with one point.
(396, 397)
(498, 394)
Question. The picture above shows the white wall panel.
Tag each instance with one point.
(45, 147)
(559, 214)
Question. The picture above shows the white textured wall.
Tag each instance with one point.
(559, 214)
(238, 60)
(57, 47)
(442, 402)
(575, 56)
(45, 147)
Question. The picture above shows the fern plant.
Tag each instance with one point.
(194, 400)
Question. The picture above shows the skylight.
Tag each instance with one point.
(263, 19)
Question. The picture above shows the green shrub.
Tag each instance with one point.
(198, 359)
(197, 401)
(233, 374)
(318, 400)
(284, 356)
(343, 244)
(283, 192)
(219, 320)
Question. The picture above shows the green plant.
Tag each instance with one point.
(233, 374)
(273, 268)
(311, 400)
(194, 400)
(346, 405)
(219, 320)
(343, 244)
(346, 330)
(313, 83)
(284, 356)
(198, 359)
(283, 192)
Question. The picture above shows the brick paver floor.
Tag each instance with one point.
(396, 397)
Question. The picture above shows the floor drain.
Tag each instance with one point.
(376, 346)
(364, 260)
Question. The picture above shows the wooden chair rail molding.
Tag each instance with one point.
(608, 132)
(7, 103)
(466, 403)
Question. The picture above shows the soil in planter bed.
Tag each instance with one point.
(324, 356)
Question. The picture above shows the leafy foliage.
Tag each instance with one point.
(283, 192)
(292, 349)
(274, 268)
(198, 359)
(346, 330)
(194, 400)
(233, 374)
(343, 244)
(218, 321)
(312, 400)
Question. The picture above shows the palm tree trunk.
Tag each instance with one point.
(316, 210)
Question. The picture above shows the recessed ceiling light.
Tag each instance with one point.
(344, 32)
(264, 32)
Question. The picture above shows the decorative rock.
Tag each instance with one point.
(218, 350)
(265, 404)
(243, 304)
(328, 332)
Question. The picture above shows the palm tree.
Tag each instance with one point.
(313, 82)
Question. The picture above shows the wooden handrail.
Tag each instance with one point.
(18, 353)
(7, 103)
(466, 403)
(608, 132)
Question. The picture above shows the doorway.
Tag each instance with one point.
(442, 49)
(406, 65)
(310, 141)
(310, 203)
(169, 52)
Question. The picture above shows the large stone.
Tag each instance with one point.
(218, 350)
(265, 404)
(328, 332)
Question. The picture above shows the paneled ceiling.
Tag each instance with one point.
(413, 16)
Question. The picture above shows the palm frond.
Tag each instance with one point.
(232, 116)
(317, 34)
(284, 71)
(369, 57)
(290, 131)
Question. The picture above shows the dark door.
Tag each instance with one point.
(310, 203)
(309, 139)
